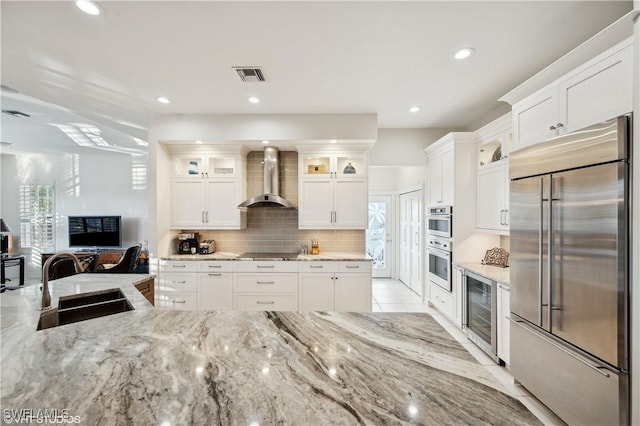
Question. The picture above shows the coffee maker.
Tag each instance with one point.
(187, 243)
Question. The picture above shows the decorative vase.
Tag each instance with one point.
(349, 170)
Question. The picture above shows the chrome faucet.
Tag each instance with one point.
(46, 296)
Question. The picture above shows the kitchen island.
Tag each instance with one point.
(167, 367)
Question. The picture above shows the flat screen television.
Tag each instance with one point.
(95, 231)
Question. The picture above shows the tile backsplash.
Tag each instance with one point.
(275, 229)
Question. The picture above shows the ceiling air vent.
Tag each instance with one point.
(16, 113)
(250, 74)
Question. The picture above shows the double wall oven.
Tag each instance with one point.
(439, 246)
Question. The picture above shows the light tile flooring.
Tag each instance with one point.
(393, 296)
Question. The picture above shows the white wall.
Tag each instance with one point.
(403, 147)
(85, 184)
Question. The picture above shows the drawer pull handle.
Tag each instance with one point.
(353, 267)
(266, 266)
(215, 266)
(260, 302)
(179, 301)
(265, 282)
(179, 282)
(317, 266)
(178, 266)
(215, 275)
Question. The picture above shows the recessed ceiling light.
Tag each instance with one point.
(415, 108)
(464, 53)
(163, 100)
(88, 7)
(254, 99)
(265, 142)
(198, 142)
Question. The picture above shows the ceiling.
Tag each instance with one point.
(318, 57)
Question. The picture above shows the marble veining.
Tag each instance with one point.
(152, 366)
(500, 275)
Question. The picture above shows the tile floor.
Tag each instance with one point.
(393, 296)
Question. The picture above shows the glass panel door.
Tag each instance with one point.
(378, 235)
(479, 308)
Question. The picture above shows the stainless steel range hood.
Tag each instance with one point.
(271, 197)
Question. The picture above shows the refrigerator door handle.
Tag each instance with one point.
(540, 258)
(598, 368)
(550, 253)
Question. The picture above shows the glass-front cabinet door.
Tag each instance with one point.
(350, 165)
(222, 166)
(189, 166)
(316, 165)
(334, 165)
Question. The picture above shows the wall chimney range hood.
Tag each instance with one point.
(271, 197)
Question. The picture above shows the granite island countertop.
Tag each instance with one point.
(151, 366)
(328, 256)
(496, 273)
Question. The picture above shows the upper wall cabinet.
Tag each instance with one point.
(449, 161)
(333, 190)
(494, 146)
(598, 90)
(206, 190)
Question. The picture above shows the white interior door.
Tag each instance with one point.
(405, 239)
(379, 235)
(416, 243)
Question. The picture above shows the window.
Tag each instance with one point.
(37, 219)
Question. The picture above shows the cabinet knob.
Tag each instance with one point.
(552, 128)
(559, 125)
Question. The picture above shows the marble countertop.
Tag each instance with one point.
(167, 367)
(501, 275)
(328, 256)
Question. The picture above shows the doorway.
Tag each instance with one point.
(410, 249)
(378, 235)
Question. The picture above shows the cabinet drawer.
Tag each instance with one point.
(177, 301)
(178, 266)
(265, 302)
(352, 266)
(316, 266)
(214, 266)
(442, 300)
(266, 283)
(178, 282)
(266, 266)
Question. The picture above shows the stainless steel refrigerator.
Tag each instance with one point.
(569, 211)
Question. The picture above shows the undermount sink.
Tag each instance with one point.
(81, 307)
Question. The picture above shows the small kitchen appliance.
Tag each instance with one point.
(187, 243)
(207, 247)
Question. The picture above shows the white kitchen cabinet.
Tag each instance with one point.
(598, 90)
(215, 291)
(206, 190)
(177, 288)
(493, 198)
(335, 286)
(440, 166)
(265, 286)
(504, 324)
(442, 300)
(449, 161)
(333, 191)
(317, 291)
